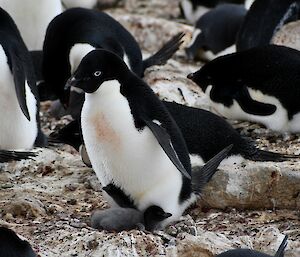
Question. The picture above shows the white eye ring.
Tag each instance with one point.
(97, 73)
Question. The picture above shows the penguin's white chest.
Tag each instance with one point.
(132, 159)
(277, 121)
(16, 132)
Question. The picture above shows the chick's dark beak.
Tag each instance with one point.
(71, 82)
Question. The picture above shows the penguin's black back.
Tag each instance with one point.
(205, 133)
(220, 26)
(274, 70)
(12, 246)
(80, 25)
(263, 19)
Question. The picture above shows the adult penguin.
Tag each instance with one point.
(216, 31)
(20, 124)
(134, 145)
(76, 32)
(263, 20)
(258, 85)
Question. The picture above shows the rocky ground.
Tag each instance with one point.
(49, 199)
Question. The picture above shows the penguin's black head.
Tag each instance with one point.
(203, 77)
(153, 215)
(95, 68)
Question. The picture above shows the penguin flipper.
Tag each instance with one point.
(165, 53)
(165, 142)
(201, 177)
(19, 75)
(252, 106)
(7, 156)
(280, 251)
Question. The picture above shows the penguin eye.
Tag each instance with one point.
(97, 73)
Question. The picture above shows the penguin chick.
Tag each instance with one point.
(19, 102)
(216, 31)
(12, 246)
(117, 219)
(263, 20)
(258, 85)
(252, 253)
(131, 139)
(77, 31)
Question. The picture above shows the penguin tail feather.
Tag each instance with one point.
(165, 53)
(280, 251)
(8, 156)
(201, 177)
(261, 155)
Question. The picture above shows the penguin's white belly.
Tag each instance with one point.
(32, 18)
(278, 121)
(132, 159)
(16, 132)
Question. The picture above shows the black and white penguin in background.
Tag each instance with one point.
(12, 246)
(216, 31)
(32, 18)
(76, 32)
(252, 253)
(20, 125)
(79, 3)
(259, 85)
(134, 145)
(192, 10)
(264, 19)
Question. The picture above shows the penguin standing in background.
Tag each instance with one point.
(76, 32)
(12, 246)
(259, 85)
(192, 10)
(134, 145)
(32, 18)
(252, 253)
(263, 20)
(19, 103)
(216, 31)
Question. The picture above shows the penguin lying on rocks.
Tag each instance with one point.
(259, 85)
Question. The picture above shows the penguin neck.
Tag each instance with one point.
(108, 89)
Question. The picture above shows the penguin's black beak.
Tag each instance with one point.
(167, 215)
(191, 76)
(71, 82)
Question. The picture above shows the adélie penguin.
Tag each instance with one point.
(77, 31)
(134, 145)
(20, 124)
(216, 31)
(252, 253)
(258, 85)
(12, 246)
